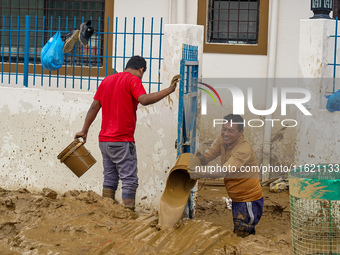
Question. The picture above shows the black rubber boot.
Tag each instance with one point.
(109, 193)
(129, 203)
(86, 31)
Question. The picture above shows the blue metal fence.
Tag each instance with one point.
(187, 110)
(334, 64)
(84, 65)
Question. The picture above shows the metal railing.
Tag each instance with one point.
(335, 64)
(85, 66)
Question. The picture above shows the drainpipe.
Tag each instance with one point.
(181, 11)
(271, 69)
(170, 11)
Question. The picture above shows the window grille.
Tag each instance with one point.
(233, 21)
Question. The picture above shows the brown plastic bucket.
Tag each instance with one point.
(77, 158)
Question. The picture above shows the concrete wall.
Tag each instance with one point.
(256, 66)
(318, 137)
(37, 124)
(232, 65)
(282, 139)
(168, 9)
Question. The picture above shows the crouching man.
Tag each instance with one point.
(242, 185)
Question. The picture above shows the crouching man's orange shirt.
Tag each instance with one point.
(242, 185)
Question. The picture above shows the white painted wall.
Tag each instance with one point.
(38, 123)
(139, 9)
(290, 14)
(255, 66)
(318, 137)
(157, 8)
(232, 65)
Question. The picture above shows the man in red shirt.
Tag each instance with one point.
(118, 96)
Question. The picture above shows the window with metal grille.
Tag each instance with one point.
(233, 21)
(234, 26)
(50, 16)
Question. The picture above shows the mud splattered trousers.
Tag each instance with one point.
(120, 163)
(246, 215)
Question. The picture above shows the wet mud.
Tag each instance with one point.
(80, 222)
(273, 233)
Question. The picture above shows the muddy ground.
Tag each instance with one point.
(212, 205)
(80, 222)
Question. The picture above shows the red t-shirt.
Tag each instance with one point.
(118, 95)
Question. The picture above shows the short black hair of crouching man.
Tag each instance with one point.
(235, 119)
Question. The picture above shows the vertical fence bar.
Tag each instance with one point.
(17, 64)
(10, 49)
(73, 55)
(35, 47)
(180, 125)
(107, 44)
(64, 55)
(141, 54)
(27, 49)
(98, 38)
(81, 60)
(335, 52)
(42, 38)
(192, 83)
(124, 48)
(65, 79)
(49, 72)
(116, 43)
(133, 36)
(88, 87)
(187, 79)
(151, 35)
(160, 54)
(3, 49)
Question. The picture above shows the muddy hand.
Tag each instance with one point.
(174, 81)
(198, 154)
(82, 135)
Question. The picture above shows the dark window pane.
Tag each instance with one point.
(243, 27)
(233, 21)
(244, 15)
(233, 26)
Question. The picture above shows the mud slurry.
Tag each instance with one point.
(80, 222)
(75, 223)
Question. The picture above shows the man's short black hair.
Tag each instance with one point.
(235, 118)
(136, 62)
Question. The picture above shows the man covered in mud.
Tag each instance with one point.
(243, 186)
(118, 96)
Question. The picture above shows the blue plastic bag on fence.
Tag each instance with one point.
(333, 103)
(52, 55)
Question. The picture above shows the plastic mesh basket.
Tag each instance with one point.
(315, 209)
